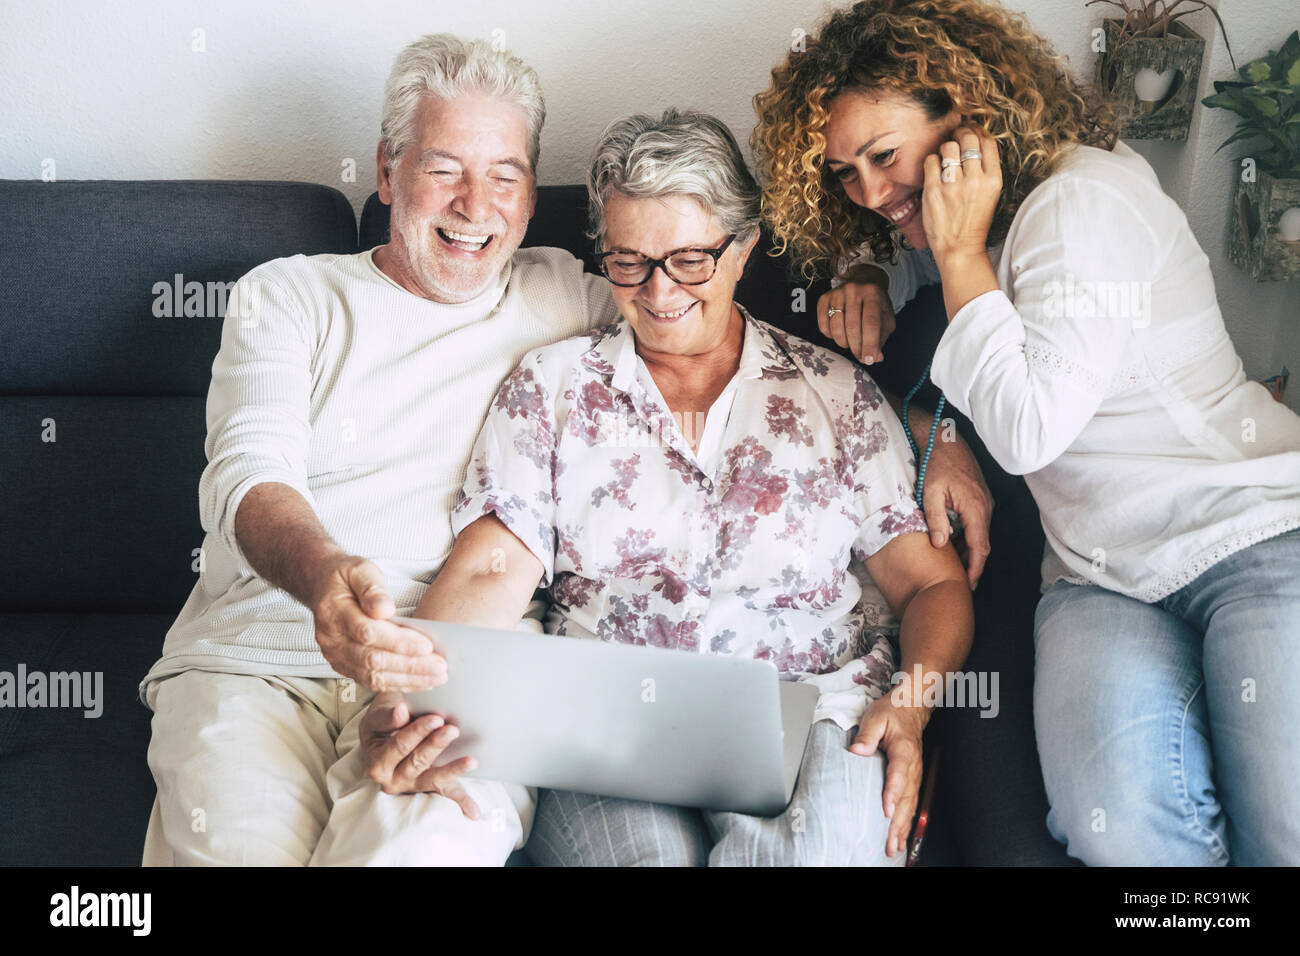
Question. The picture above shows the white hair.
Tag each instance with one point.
(444, 66)
(683, 153)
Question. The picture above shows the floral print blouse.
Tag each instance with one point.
(644, 543)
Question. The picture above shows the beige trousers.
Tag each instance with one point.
(267, 771)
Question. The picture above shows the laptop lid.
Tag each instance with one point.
(642, 723)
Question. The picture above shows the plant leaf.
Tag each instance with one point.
(1220, 101)
(1239, 136)
(1266, 106)
(1256, 70)
(1290, 51)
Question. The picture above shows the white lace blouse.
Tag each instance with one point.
(1101, 370)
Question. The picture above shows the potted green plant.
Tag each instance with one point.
(1150, 64)
(1265, 236)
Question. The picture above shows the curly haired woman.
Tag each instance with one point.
(917, 142)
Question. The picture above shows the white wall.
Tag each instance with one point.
(292, 90)
(1263, 318)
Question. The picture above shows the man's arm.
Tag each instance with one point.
(283, 540)
(254, 494)
(285, 543)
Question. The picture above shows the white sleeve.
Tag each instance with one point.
(884, 470)
(1030, 364)
(599, 301)
(258, 410)
(913, 270)
(512, 468)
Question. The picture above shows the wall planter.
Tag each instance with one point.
(1264, 236)
(1153, 79)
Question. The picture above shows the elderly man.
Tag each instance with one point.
(344, 404)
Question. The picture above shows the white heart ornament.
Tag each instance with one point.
(1289, 224)
(1152, 87)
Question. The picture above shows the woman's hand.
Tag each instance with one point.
(897, 730)
(858, 315)
(954, 482)
(399, 752)
(958, 202)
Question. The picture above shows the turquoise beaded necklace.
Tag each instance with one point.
(923, 461)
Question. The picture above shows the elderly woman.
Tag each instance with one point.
(691, 478)
(942, 142)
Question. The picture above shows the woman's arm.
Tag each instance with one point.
(953, 481)
(857, 314)
(927, 590)
(868, 296)
(487, 580)
(953, 477)
(1031, 364)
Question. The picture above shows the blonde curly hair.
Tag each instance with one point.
(971, 56)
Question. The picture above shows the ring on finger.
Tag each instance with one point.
(948, 162)
(830, 313)
(969, 154)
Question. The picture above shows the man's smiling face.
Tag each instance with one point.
(461, 195)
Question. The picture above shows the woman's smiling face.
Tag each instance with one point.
(876, 145)
(668, 317)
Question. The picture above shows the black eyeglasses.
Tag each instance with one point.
(683, 266)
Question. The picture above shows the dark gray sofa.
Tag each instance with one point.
(100, 525)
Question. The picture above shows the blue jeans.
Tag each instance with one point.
(1169, 733)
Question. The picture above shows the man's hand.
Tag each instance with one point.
(352, 607)
(399, 752)
(865, 318)
(897, 730)
(953, 481)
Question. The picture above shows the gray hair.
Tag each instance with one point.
(444, 66)
(683, 153)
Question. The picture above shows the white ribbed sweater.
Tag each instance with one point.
(367, 400)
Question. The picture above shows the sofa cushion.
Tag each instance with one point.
(87, 297)
(117, 290)
(105, 517)
(76, 790)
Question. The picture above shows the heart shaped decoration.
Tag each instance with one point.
(1289, 224)
(1154, 90)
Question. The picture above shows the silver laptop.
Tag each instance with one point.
(644, 723)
